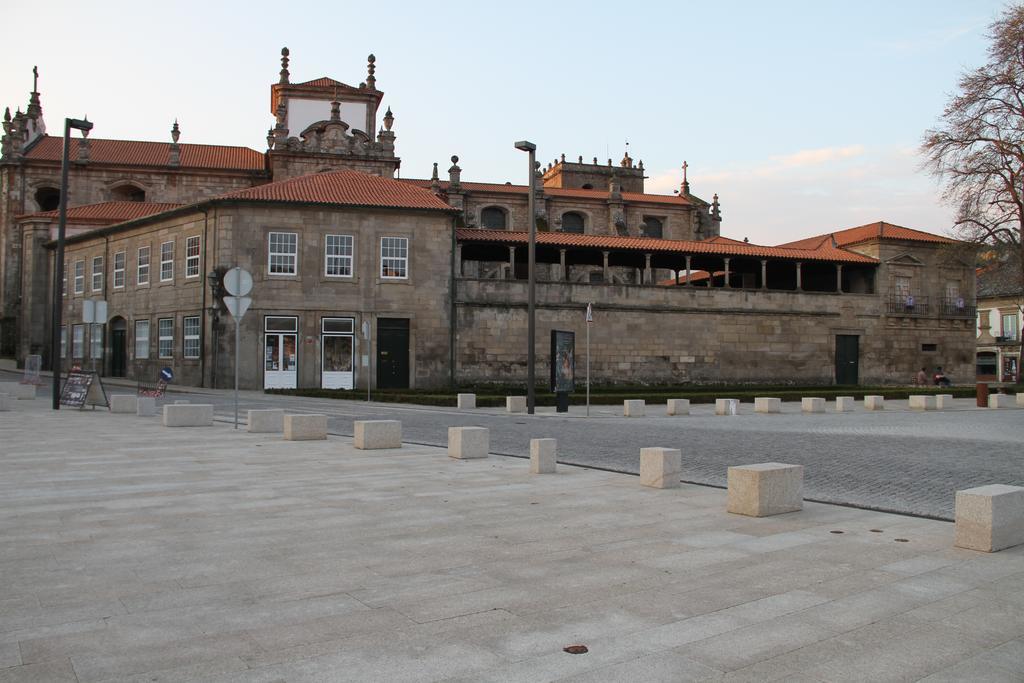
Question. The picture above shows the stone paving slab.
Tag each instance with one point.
(131, 552)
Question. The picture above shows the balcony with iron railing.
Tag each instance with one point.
(956, 307)
(907, 304)
(920, 305)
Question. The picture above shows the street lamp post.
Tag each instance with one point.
(531, 398)
(85, 126)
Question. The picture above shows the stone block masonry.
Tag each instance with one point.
(678, 406)
(727, 406)
(124, 403)
(305, 427)
(634, 408)
(989, 518)
(874, 403)
(266, 421)
(542, 456)
(191, 415)
(661, 468)
(845, 404)
(465, 443)
(763, 404)
(377, 434)
(466, 401)
(765, 489)
(922, 402)
(515, 404)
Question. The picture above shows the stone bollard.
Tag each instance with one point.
(634, 408)
(147, 406)
(660, 468)
(305, 427)
(124, 403)
(465, 401)
(678, 406)
(266, 421)
(465, 443)
(515, 404)
(182, 402)
(943, 401)
(6, 402)
(874, 403)
(727, 406)
(1020, 400)
(192, 415)
(989, 518)
(766, 404)
(765, 489)
(845, 404)
(18, 391)
(812, 405)
(370, 435)
(542, 456)
(922, 402)
(1000, 401)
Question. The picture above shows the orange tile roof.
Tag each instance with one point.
(558, 192)
(139, 153)
(324, 82)
(649, 244)
(718, 239)
(346, 187)
(107, 212)
(864, 233)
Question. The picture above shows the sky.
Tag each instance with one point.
(804, 117)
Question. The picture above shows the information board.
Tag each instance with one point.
(563, 361)
(82, 389)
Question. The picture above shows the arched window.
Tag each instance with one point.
(654, 227)
(492, 218)
(48, 198)
(128, 193)
(572, 222)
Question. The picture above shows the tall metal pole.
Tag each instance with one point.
(58, 270)
(588, 366)
(531, 306)
(238, 324)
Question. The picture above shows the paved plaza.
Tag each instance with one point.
(134, 552)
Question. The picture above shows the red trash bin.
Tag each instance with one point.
(982, 393)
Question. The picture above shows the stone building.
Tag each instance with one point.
(1000, 326)
(434, 270)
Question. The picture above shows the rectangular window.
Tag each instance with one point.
(192, 256)
(63, 341)
(64, 287)
(283, 253)
(142, 271)
(119, 259)
(1010, 327)
(338, 256)
(190, 336)
(901, 285)
(97, 273)
(96, 341)
(79, 277)
(141, 339)
(78, 341)
(165, 338)
(394, 258)
(166, 261)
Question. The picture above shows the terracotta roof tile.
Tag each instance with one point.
(344, 187)
(648, 244)
(557, 192)
(864, 233)
(324, 82)
(107, 213)
(139, 153)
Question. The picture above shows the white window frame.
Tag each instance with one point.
(78, 341)
(80, 277)
(119, 276)
(63, 341)
(169, 262)
(96, 341)
(142, 269)
(293, 256)
(141, 351)
(393, 261)
(1009, 331)
(64, 288)
(97, 274)
(187, 337)
(339, 259)
(161, 338)
(192, 259)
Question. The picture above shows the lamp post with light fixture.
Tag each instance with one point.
(531, 398)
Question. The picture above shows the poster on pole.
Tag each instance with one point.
(83, 388)
(563, 361)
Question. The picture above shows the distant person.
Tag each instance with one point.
(922, 378)
(940, 378)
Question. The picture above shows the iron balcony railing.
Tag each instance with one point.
(907, 304)
(956, 307)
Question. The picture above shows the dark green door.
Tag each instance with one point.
(392, 353)
(847, 358)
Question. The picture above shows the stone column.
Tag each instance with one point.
(511, 263)
(687, 283)
(726, 267)
(647, 269)
(561, 261)
(839, 278)
(605, 267)
(764, 273)
(799, 278)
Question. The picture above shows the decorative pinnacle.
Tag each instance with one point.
(389, 119)
(371, 80)
(35, 79)
(284, 64)
(7, 114)
(433, 176)
(175, 132)
(85, 131)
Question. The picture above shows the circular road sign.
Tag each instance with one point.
(238, 282)
(167, 374)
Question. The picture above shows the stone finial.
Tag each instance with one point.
(716, 208)
(595, 161)
(389, 120)
(35, 109)
(84, 146)
(371, 68)
(335, 110)
(641, 165)
(627, 161)
(580, 160)
(174, 155)
(454, 173)
(435, 182)
(175, 132)
(284, 65)
(270, 138)
(563, 157)
(685, 188)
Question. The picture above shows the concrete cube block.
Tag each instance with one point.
(845, 404)
(769, 488)
(874, 403)
(6, 402)
(727, 406)
(191, 415)
(1020, 400)
(678, 406)
(305, 427)
(1001, 401)
(989, 518)
(542, 456)
(266, 421)
(465, 401)
(943, 401)
(634, 408)
(515, 404)
(660, 468)
(18, 391)
(468, 442)
(146, 406)
(124, 403)
(182, 402)
(371, 435)
(922, 402)
(812, 405)
(766, 404)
